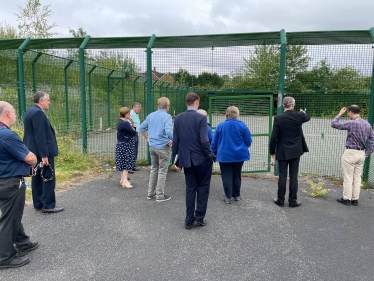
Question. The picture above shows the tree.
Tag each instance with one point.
(207, 81)
(184, 78)
(261, 70)
(79, 33)
(315, 80)
(118, 61)
(7, 31)
(346, 80)
(33, 20)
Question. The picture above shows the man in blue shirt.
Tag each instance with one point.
(15, 163)
(136, 108)
(159, 137)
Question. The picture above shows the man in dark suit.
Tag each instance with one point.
(191, 144)
(287, 144)
(40, 138)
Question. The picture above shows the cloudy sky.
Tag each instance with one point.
(103, 18)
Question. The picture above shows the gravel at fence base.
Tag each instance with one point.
(110, 233)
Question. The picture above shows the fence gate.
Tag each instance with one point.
(256, 111)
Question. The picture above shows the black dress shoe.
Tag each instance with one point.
(294, 204)
(136, 170)
(344, 201)
(54, 210)
(354, 202)
(279, 202)
(188, 226)
(23, 252)
(200, 223)
(16, 262)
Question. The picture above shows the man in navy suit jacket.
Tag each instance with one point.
(191, 144)
(287, 144)
(40, 138)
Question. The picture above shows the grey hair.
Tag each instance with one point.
(202, 111)
(38, 96)
(4, 107)
(163, 102)
(288, 101)
(136, 104)
(232, 112)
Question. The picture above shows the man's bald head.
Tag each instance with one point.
(4, 107)
(7, 113)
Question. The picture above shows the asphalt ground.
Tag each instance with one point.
(110, 233)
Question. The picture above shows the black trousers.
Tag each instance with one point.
(231, 174)
(43, 193)
(293, 165)
(197, 190)
(12, 203)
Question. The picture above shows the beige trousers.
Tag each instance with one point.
(352, 164)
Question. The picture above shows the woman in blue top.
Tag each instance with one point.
(231, 141)
(125, 147)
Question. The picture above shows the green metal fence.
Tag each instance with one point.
(323, 70)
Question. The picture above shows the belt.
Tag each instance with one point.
(354, 148)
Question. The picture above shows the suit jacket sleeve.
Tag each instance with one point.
(204, 140)
(175, 146)
(274, 136)
(40, 123)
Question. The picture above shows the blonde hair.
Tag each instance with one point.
(232, 112)
(123, 111)
(163, 102)
(203, 112)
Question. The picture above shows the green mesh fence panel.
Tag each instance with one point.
(8, 77)
(332, 77)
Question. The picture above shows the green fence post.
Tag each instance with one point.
(371, 112)
(82, 79)
(282, 71)
(135, 87)
(90, 95)
(33, 66)
(21, 78)
(108, 78)
(149, 73)
(67, 92)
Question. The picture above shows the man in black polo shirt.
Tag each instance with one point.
(15, 162)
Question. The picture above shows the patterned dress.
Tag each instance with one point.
(125, 151)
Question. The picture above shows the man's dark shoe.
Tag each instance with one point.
(16, 262)
(227, 200)
(200, 223)
(23, 252)
(136, 170)
(37, 209)
(238, 198)
(344, 201)
(279, 202)
(294, 204)
(54, 210)
(188, 226)
(354, 202)
(150, 197)
(130, 172)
